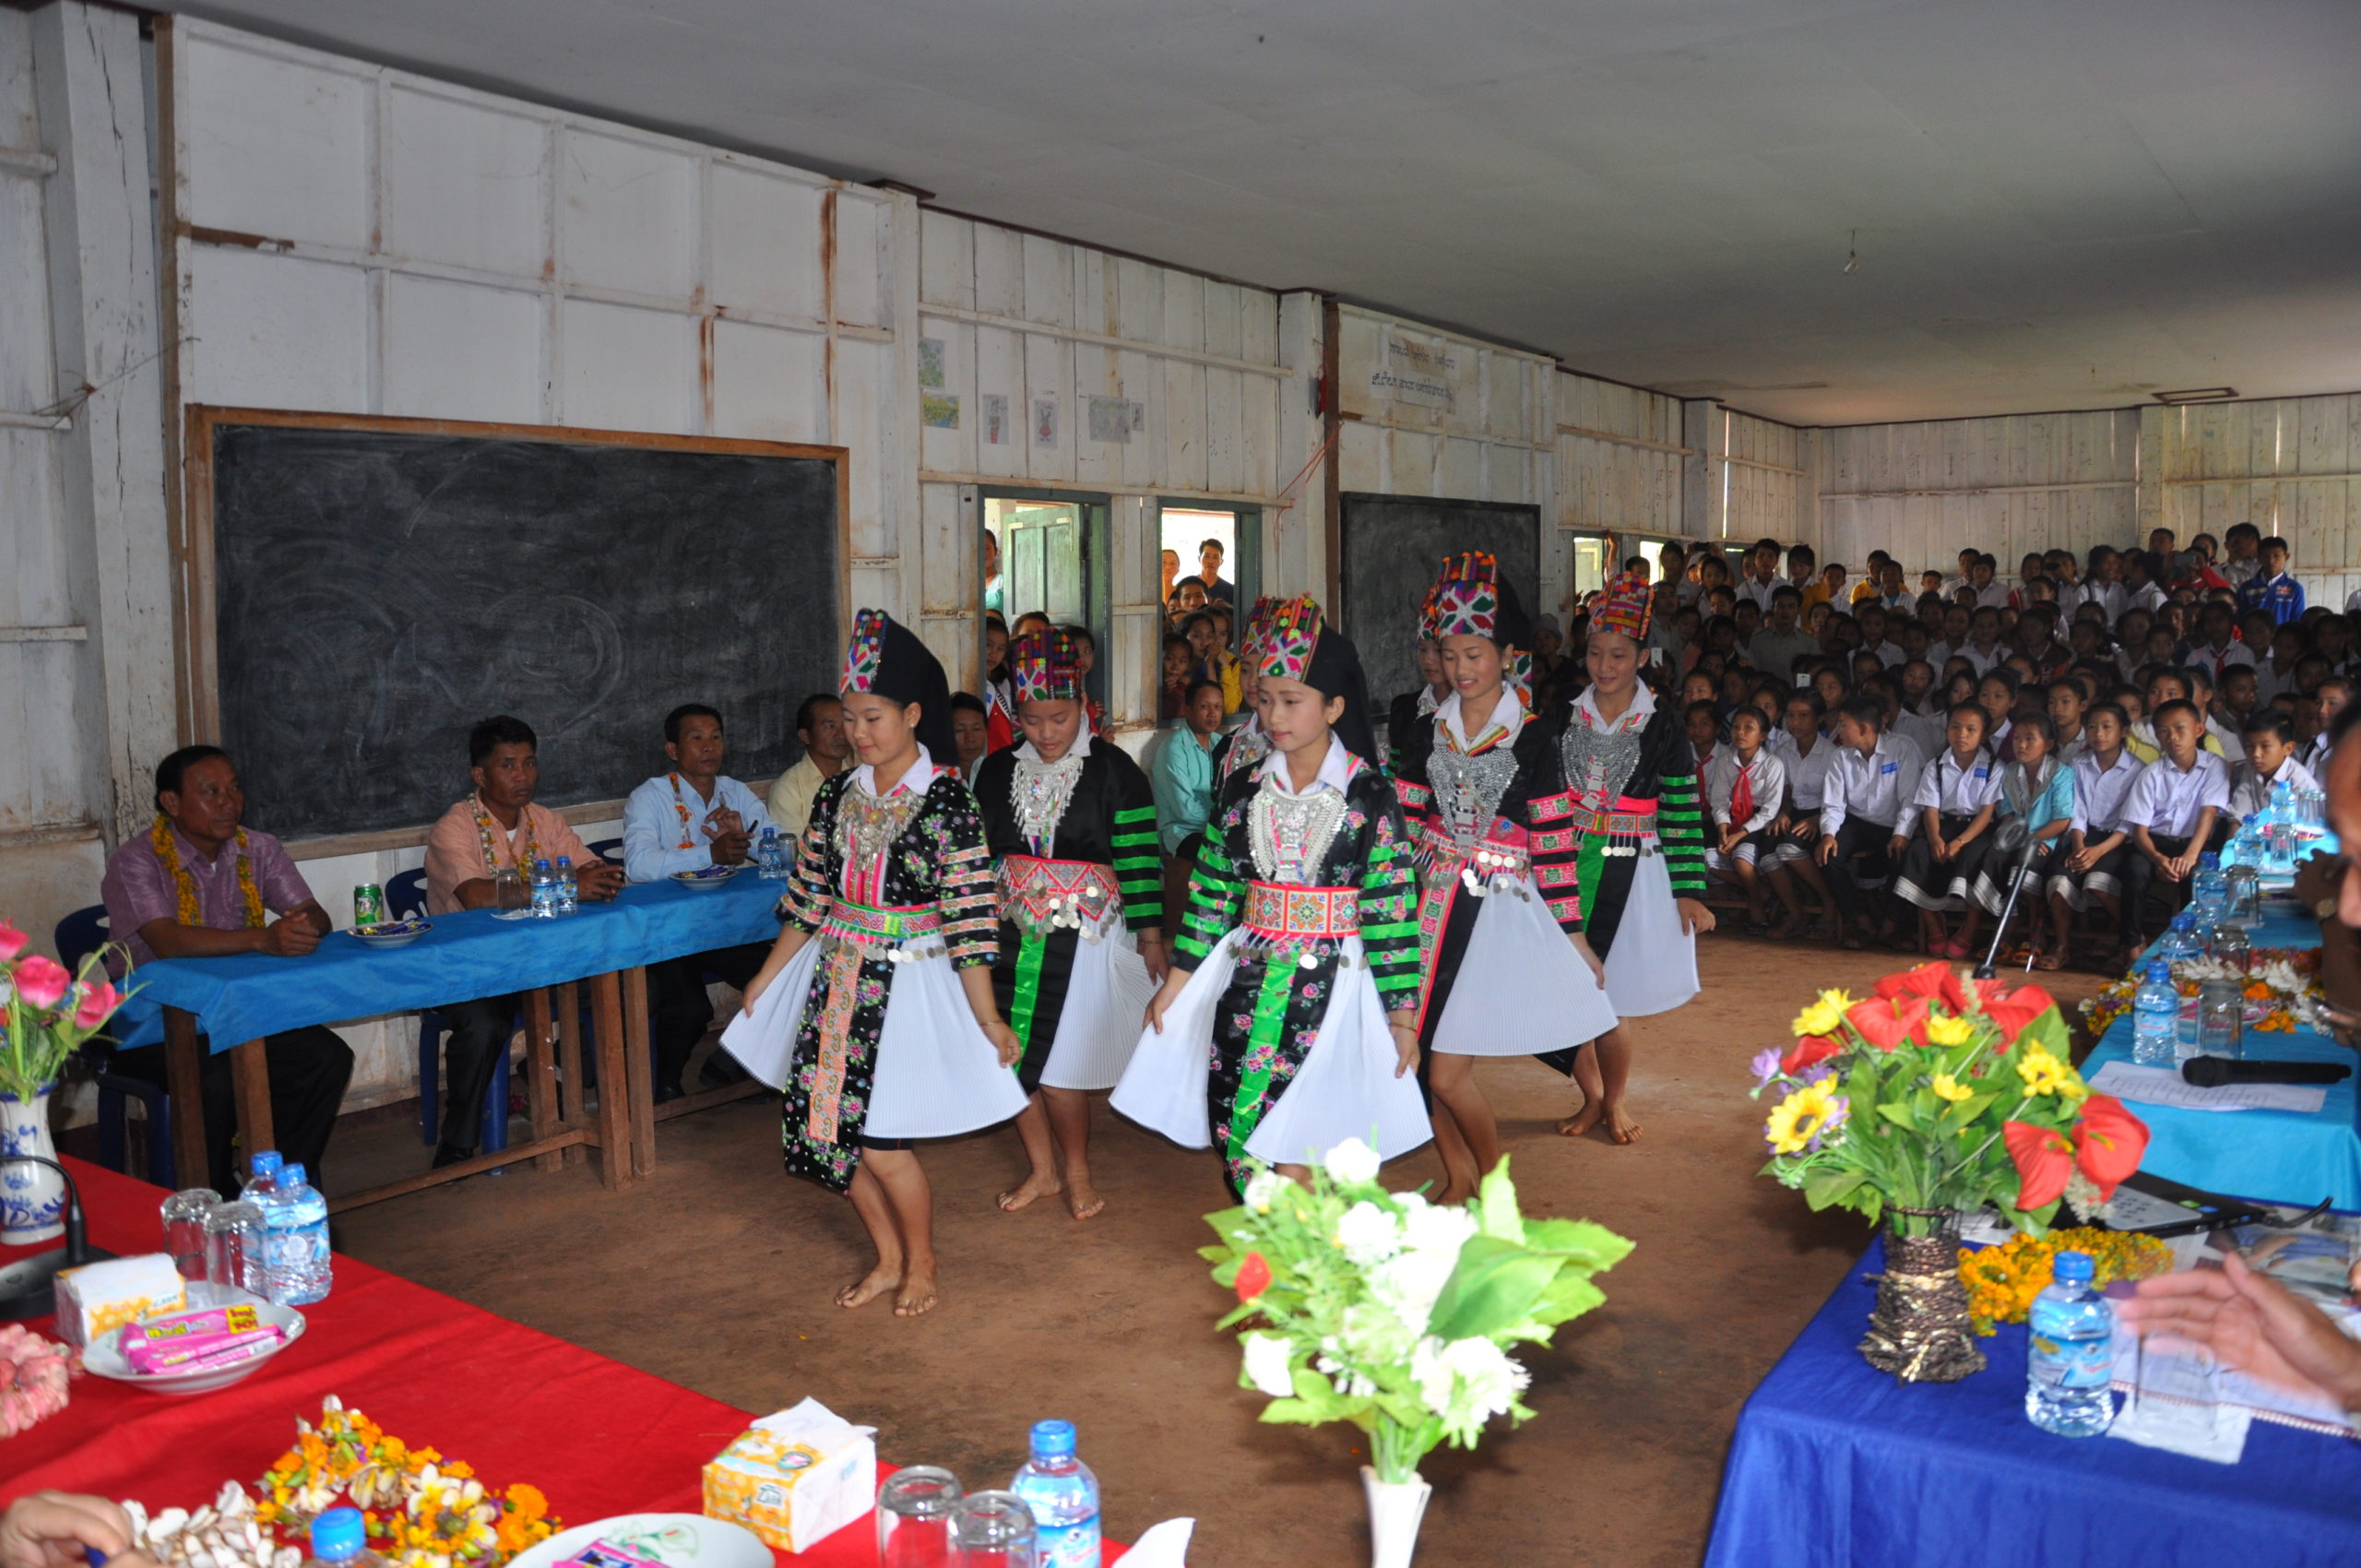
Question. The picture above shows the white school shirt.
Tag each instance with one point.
(1890, 653)
(2268, 683)
(1808, 776)
(1760, 592)
(2216, 660)
(1995, 593)
(1770, 785)
(1927, 732)
(2166, 800)
(1877, 788)
(2100, 793)
(1949, 789)
(2233, 744)
(2315, 753)
(2251, 791)
(2113, 598)
(2148, 597)
(653, 831)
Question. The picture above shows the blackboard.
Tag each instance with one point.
(1390, 548)
(377, 590)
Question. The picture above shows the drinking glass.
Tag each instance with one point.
(509, 891)
(185, 1214)
(2245, 895)
(2176, 1390)
(2233, 946)
(233, 1246)
(2221, 1017)
(914, 1518)
(994, 1530)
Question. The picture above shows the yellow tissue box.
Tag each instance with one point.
(794, 1477)
(99, 1297)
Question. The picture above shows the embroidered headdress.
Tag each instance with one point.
(1043, 666)
(1624, 607)
(1472, 599)
(885, 659)
(1292, 642)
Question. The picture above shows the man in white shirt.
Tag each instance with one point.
(1762, 580)
(683, 820)
(2143, 587)
(2174, 808)
(2334, 693)
(2215, 649)
(2244, 543)
(1877, 626)
(1984, 577)
(1863, 803)
(820, 725)
(2103, 586)
(2269, 762)
(1983, 649)
(2098, 846)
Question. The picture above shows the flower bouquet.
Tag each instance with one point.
(1931, 1097)
(1391, 1312)
(2002, 1281)
(46, 1011)
(2282, 986)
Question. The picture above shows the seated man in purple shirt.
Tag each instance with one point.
(198, 885)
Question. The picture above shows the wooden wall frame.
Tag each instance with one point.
(200, 641)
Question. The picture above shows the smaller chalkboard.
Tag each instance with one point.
(1390, 548)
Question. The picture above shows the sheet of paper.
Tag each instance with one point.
(2164, 1086)
(2226, 1444)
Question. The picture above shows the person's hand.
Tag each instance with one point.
(721, 820)
(1005, 1040)
(1895, 845)
(597, 882)
(1694, 917)
(1590, 959)
(2250, 1323)
(1826, 849)
(289, 936)
(1158, 1004)
(53, 1529)
(730, 848)
(2179, 866)
(1781, 826)
(1943, 848)
(1406, 1043)
(1156, 956)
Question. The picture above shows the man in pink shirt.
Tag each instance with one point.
(496, 829)
(199, 885)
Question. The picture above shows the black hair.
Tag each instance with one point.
(170, 770)
(2036, 721)
(1195, 616)
(2178, 705)
(2002, 674)
(1959, 707)
(683, 714)
(968, 702)
(2275, 542)
(811, 705)
(994, 618)
(2111, 710)
(1806, 695)
(1864, 710)
(1171, 637)
(2070, 685)
(1204, 545)
(499, 730)
(2344, 681)
(1189, 697)
(1080, 633)
(2269, 721)
(1748, 711)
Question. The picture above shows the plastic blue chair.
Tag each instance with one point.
(78, 936)
(406, 899)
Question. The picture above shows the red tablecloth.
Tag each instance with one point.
(596, 1436)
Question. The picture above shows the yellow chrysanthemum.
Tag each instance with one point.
(1823, 1015)
(1799, 1118)
(1945, 1030)
(2043, 1073)
(1950, 1089)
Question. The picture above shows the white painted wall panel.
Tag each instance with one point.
(27, 379)
(864, 230)
(769, 383)
(459, 350)
(766, 236)
(34, 575)
(276, 332)
(466, 186)
(279, 148)
(628, 216)
(628, 369)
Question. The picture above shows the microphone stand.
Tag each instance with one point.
(28, 1289)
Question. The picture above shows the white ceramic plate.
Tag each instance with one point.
(392, 934)
(705, 880)
(512, 914)
(676, 1540)
(105, 1358)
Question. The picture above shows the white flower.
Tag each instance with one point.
(1466, 1382)
(1407, 1285)
(1266, 1365)
(1261, 1188)
(1428, 1229)
(1368, 1234)
(1351, 1162)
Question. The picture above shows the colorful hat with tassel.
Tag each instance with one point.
(1472, 599)
(885, 659)
(1624, 607)
(1045, 666)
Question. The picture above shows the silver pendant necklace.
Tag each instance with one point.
(1291, 833)
(1040, 793)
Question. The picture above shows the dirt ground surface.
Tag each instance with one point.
(718, 1273)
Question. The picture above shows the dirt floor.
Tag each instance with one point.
(718, 1273)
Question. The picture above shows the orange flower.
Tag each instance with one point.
(527, 1499)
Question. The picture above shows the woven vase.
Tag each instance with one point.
(1919, 1329)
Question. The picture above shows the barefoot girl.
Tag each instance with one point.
(1070, 820)
(883, 1029)
(1953, 806)
(1286, 1023)
(1639, 850)
(1500, 923)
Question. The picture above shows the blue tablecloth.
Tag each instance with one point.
(1836, 1465)
(466, 955)
(2270, 1155)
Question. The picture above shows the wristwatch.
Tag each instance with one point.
(2325, 909)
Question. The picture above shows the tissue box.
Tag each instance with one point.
(795, 1477)
(99, 1297)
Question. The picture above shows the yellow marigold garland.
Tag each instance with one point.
(2002, 1281)
(160, 838)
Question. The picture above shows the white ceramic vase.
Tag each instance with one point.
(32, 1197)
(1394, 1510)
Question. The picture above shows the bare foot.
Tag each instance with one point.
(1622, 1128)
(878, 1281)
(916, 1295)
(1451, 1197)
(1084, 1200)
(1579, 1123)
(1023, 1197)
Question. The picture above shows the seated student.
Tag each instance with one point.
(2222, 728)
(2334, 694)
(1172, 682)
(2139, 736)
(2097, 845)
(970, 734)
(2066, 702)
(820, 726)
(1805, 754)
(1745, 787)
(1870, 787)
(1948, 830)
(1996, 693)
(2270, 761)
(197, 885)
(2037, 792)
(1705, 721)
(2175, 810)
(496, 829)
(687, 819)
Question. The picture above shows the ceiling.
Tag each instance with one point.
(2057, 203)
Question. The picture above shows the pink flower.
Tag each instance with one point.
(99, 1002)
(12, 942)
(41, 981)
(36, 1373)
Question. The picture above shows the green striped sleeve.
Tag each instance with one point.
(1389, 927)
(1680, 829)
(1215, 898)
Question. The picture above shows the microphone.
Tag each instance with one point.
(27, 1289)
(2213, 1071)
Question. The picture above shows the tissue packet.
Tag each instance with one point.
(99, 1297)
(607, 1554)
(205, 1350)
(795, 1477)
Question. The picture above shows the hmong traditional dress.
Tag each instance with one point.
(1407, 714)
(1075, 844)
(1240, 751)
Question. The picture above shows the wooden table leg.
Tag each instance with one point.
(614, 1093)
(183, 1083)
(541, 1078)
(569, 1061)
(250, 1081)
(639, 1072)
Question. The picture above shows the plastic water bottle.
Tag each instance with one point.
(341, 1540)
(2069, 1353)
(2211, 887)
(766, 856)
(261, 1172)
(1063, 1496)
(2155, 1018)
(544, 891)
(2179, 940)
(295, 1247)
(569, 895)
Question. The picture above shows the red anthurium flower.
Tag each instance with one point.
(1927, 981)
(2043, 1159)
(1808, 1050)
(1886, 1023)
(2011, 1011)
(1254, 1274)
(2108, 1142)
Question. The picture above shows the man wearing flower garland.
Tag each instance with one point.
(199, 884)
(497, 828)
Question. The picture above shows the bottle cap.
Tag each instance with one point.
(542, 864)
(566, 860)
(292, 1176)
(338, 1535)
(2160, 970)
(1052, 1439)
(265, 1162)
(2071, 1268)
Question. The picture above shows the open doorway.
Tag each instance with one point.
(1046, 552)
(1227, 537)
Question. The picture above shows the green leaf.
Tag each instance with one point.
(1494, 1285)
(1899, 1114)
(1295, 1412)
(1584, 1242)
(1832, 1185)
(1967, 1110)
(1569, 1296)
(1496, 1205)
